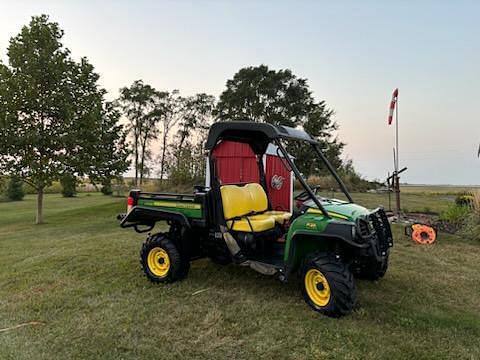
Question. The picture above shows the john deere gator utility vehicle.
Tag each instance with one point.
(325, 241)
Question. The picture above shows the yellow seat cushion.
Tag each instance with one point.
(260, 203)
(239, 201)
(255, 223)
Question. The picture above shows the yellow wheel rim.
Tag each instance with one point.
(158, 262)
(317, 287)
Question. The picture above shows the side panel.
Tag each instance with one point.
(279, 181)
(189, 209)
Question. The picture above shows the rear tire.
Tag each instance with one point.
(218, 252)
(371, 269)
(328, 285)
(161, 261)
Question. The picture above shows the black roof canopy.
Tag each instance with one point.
(257, 135)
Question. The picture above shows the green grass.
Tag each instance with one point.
(79, 275)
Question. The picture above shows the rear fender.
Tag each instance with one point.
(143, 216)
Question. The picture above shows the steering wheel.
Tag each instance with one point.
(304, 196)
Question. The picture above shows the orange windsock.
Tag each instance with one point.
(393, 103)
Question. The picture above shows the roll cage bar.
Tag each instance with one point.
(259, 135)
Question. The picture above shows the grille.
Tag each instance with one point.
(377, 228)
(363, 228)
(381, 226)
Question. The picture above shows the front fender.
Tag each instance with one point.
(302, 241)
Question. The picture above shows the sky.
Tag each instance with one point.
(353, 53)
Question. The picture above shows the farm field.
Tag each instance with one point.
(78, 278)
(437, 189)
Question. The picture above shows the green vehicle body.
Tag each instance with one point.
(309, 227)
(305, 233)
(324, 240)
(319, 225)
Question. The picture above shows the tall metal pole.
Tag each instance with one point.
(396, 136)
(397, 178)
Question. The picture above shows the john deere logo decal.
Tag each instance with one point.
(277, 182)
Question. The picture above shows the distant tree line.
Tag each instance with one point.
(254, 94)
(180, 123)
(56, 125)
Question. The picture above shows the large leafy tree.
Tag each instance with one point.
(50, 110)
(279, 97)
(99, 149)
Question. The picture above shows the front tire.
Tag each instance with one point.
(161, 261)
(328, 285)
(371, 269)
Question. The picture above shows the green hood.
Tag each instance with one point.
(338, 208)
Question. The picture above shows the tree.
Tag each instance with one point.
(138, 104)
(319, 124)
(279, 97)
(50, 108)
(14, 189)
(100, 149)
(195, 117)
(167, 112)
(105, 156)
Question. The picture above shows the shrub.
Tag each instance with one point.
(14, 190)
(471, 226)
(455, 214)
(68, 182)
(465, 199)
(3, 183)
(107, 187)
(328, 183)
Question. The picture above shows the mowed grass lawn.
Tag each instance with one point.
(79, 277)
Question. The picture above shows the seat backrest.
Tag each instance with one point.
(242, 200)
(259, 200)
(236, 201)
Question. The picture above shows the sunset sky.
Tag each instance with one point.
(353, 56)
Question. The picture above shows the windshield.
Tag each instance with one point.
(315, 152)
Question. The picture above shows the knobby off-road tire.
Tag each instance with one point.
(371, 269)
(161, 261)
(328, 285)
